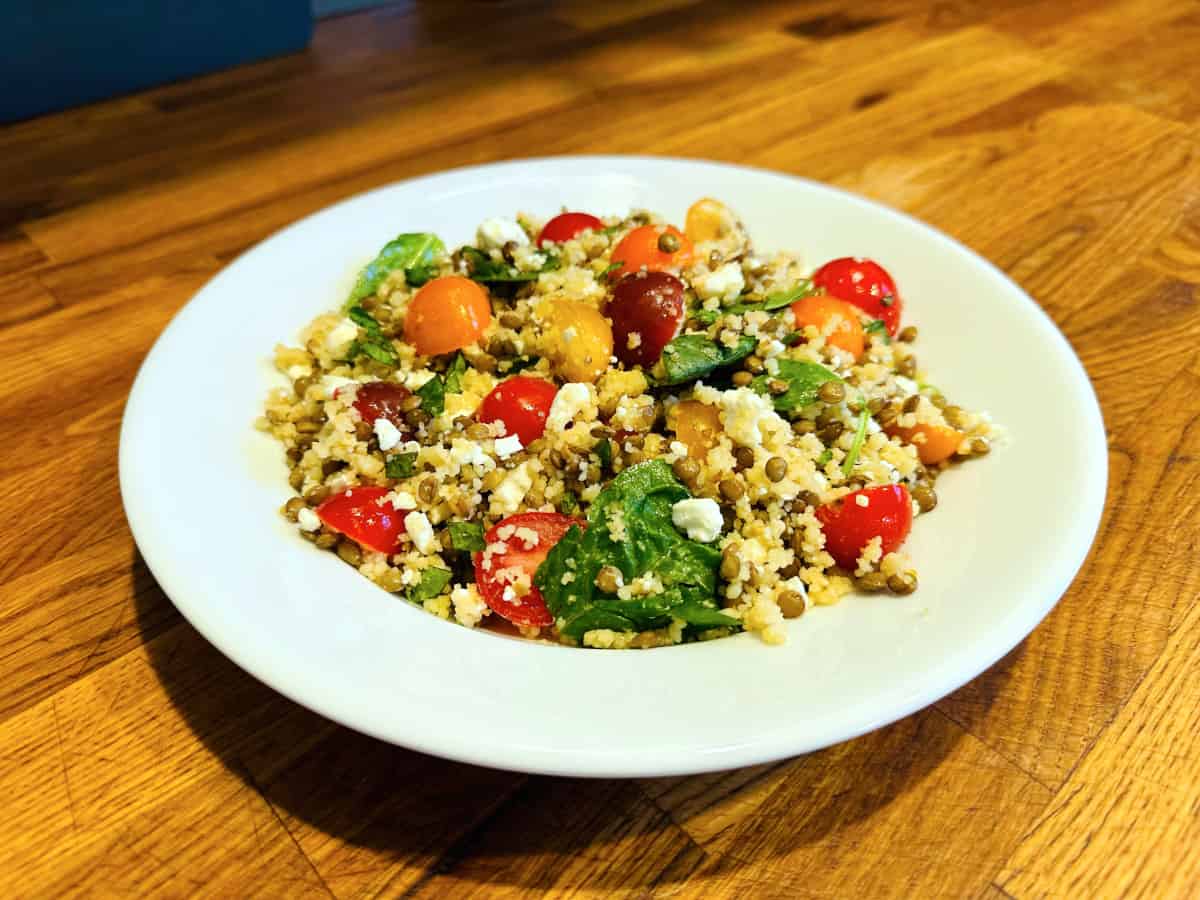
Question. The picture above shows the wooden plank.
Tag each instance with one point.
(23, 298)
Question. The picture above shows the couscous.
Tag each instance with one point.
(613, 432)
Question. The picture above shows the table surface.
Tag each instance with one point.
(1058, 139)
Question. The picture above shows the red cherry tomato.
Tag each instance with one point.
(495, 570)
(361, 514)
(567, 225)
(864, 283)
(647, 311)
(382, 400)
(522, 404)
(849, 526)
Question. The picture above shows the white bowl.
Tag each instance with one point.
(201, 488)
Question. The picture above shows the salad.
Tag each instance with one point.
(614, 432)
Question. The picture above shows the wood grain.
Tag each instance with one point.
(1059, 139)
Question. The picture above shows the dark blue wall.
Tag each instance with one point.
(58, 53)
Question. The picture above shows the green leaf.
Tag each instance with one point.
(455, 373)
(860, 437)
(877, 327)
(375, 345)
(433, 396)
(692, 356)
(416, 253)
(780, 299)
(432, 583)
(604, 450)
(520, 364)
(402, 465)
(642, 497)
(803, 379)
(482, 267)
(568, 503)
(608, 270)
(466, 535)
(824, 458)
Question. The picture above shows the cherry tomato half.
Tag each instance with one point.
(934, 443)
(383, 400)
(567, 225)
(522, 404)
(447, 314)
(494, 571)
(819, 310)
(650, 247)
(848, 525)
(647, 311)
(864, 283)
(361, 514)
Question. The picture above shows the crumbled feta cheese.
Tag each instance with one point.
(418, 528)
(507, 446)
(570, 400)
(469, 608)
(494, 233)
(726, 283)
(308, 520)
(512, 490)
(389, 435)
(744, 411)
(699, 518)
(298, 371)
(403, 500)
(340, 337)
(418, 378)
(468, 453)
(334, 383)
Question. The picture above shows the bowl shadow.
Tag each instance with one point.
(355, 803)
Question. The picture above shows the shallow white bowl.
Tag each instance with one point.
(201, 489)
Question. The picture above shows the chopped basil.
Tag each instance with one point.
(692, 356)
(374, 344)
(433, 396)
(608, 270)
(454, 374)
(481, 267)
(860, 437)
(773, 301)
(803, 379)
(417, 254)
(604, 450)
(568, 503)
(466, 535)
(520, 364)
(877, 327)
(432, 583)
(824, 458)
(402, 465)
(779, 299)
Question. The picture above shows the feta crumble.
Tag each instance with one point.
(494, 233)
(418, 528)
(389, 435)
(699, 518)
(507, 446)
(308, 520)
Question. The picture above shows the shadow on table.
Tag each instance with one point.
(388, 808)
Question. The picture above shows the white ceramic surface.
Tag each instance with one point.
(201, 489)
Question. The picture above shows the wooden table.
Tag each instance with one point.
(1058, 139)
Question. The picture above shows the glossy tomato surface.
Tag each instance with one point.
(514, 556)
(522, 404)
(864, 283)
(647, 310)
(567, 225)
(383, 400)
(363, 515)
(849, 526)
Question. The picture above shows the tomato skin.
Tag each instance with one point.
(522, 404)
(383, 400)
(864, 283)
(818, 309)
(848, 527)
(567, 225)
(361, 514)
(697, 425)
(640, 249)
(447, 314)
(934, 443)
(651, 306)
(531, 608)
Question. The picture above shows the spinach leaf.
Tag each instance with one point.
(824, 458)
(860, 437)
(466, 535)
(642, 497)
(454, 374)
(568, 503)
(604, 450)
(803, 379)
(402, 465)
(482, 267)
(773, 301)
(432, 583)
(374, 344)
(692, 356)
(416, 253)
(876, 327)
(433, 396)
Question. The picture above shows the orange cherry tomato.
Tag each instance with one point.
(648, 247)
(820, 310)
(447, 314)
(697, 425)
(934, 443)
